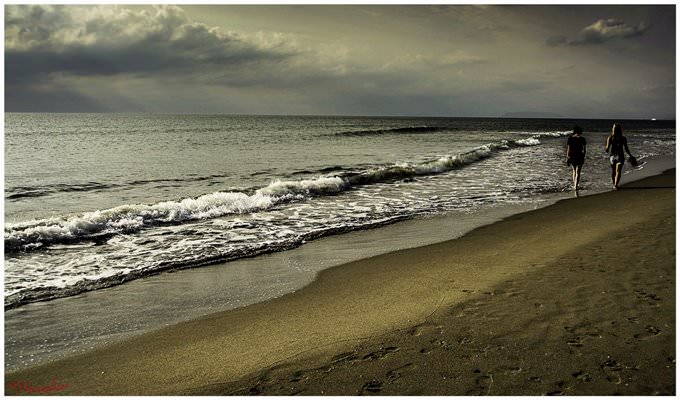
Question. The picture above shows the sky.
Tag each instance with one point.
(391, 60)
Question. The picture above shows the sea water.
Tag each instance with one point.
(74, 195)
(96, 200)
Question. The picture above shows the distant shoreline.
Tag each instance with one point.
(369, 116)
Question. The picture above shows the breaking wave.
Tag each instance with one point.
(133, 217)
(409, 129)
(101, 224)
(546, 134)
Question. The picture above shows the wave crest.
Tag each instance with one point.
(409, 129)
(101, 224)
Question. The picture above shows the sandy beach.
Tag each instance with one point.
(577, 298)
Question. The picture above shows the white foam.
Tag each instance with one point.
(546, 134)
(528, 142)
(133, 217)
(321, 185)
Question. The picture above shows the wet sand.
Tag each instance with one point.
(577, 298)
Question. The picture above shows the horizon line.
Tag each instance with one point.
(337, 115)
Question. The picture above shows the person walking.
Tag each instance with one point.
(576, 154)
(615, 145)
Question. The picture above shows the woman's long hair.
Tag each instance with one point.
(617, 131)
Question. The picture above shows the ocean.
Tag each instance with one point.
(96, 200)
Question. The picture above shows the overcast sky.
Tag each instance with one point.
(574, 61)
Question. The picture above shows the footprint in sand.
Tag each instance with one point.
(465, 340)
(582, 376)
(560, 391)
(350, 355)
(254, 391)
(483, 385)
(651, 332)
(395, 374)
(466, 309)
(579, 333)
(612, 370)
(371, 387)
(512, 292)
(380, 353)
(440, 343)
(583, 329)
(426, 328)
(651, 298)
(297, 376)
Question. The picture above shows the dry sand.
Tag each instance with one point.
(577, 298)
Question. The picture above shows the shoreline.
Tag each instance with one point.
(377, 298)
(19, 299)
(69, 325)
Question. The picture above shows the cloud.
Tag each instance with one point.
(412, 61)
(58, 52)
(608, 29)
(443, 63)
(601, 31)
(484, 17)
(107, 40)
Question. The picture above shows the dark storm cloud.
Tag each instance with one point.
(46, 45)
(42, 40)
(389, 60)
(601, 31)
(137, 58)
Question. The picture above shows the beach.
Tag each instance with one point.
(577, 298)
(197, 205)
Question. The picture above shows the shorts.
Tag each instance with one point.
(576, 161)
(616, 159)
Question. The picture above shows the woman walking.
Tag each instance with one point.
(616, 144)
(576, 154)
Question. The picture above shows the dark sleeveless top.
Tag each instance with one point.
(616, 145)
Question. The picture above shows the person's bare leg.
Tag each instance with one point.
(577, 176)
(619, 168)
(614, 175)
